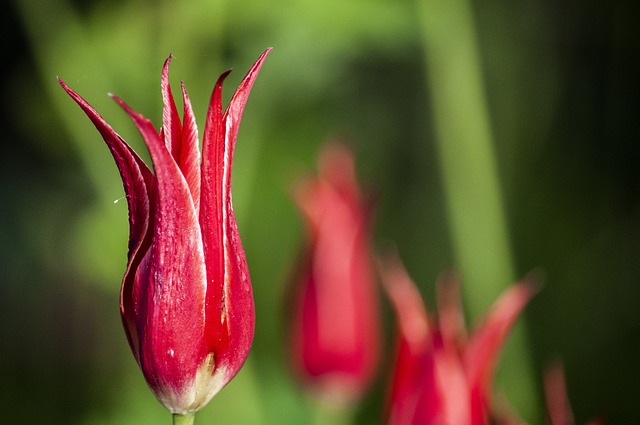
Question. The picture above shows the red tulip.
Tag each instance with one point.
(186, 299)
(442, 376)
(335, 332)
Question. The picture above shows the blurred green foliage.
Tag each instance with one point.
(562, 98)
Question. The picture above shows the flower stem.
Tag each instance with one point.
(186, 419)
(470, 175)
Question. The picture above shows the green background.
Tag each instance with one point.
(550, 92)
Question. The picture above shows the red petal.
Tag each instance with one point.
(213, 218)
(189, 160)
(413, 379)
(555, 391)
(230, 310)
(172, 278)
(337, 165)
(181, 139)
(233, 113)
(172, 129)
(139, 186)
(487, 340)
(450, 314)
(413, 320)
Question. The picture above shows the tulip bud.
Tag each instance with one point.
(335, 329)
(186, 299)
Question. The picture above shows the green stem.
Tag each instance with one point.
(187, 419)
(470, 176)
(466, 151)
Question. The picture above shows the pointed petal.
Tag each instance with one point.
(214, 218)
(189, 161)
(171, 127)
(317, 197)
(174, 276)
(555, 391)
(139, 186)
(413, 382)
(135, 174)
(128, 289)
(230, 309)
(233, 113)
(450, 313)
(336, 164)
(181, 139)
(413, 320)
(239, 310)
(488, 339)
(451, 389)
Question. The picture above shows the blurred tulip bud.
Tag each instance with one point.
(335, 323)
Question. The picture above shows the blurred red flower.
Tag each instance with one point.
(441, 375)
(335, 325)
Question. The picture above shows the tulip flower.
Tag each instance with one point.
(335, 326)
(442, 375)
(186, 299)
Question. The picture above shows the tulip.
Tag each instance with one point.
(186, 299)
(335, 326)
(442, 375)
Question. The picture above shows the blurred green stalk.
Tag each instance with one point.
(469, 172)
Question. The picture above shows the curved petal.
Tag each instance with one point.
(139, 187)
(170, 304)
(233, 113)
(213, 214)
(171, 126)
(555, 392)
(413, 388)
(181, 139)
(450, 312)
(488, 338)
(189, 161)
(230, 310)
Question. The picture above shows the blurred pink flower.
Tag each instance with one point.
(442, 376)
(186, 299)
(335, 324)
